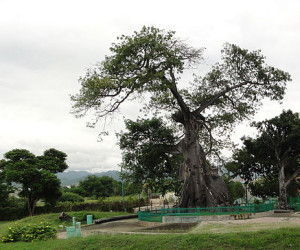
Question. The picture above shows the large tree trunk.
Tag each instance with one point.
(282, 199)
(202, 187)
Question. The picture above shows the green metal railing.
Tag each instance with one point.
(295, 203)
(157, 215)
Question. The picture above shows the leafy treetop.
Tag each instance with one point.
(145, 160)
(36, 174)
(152, 60)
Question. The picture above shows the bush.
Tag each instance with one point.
(256, 201)
(28, 233)
(103, 206)
(72, 197)
(14, 209)
(18, 211)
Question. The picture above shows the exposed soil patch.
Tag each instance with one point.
(171, 228)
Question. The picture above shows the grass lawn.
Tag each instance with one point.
(285, 238)
(207, 236)
(54, 220)
(217, 228)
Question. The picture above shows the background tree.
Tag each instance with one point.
(151, 61)
(5, 188)
(100, 186)
(144, 157)
(272, 155)
(71, 197)
(265, 187)
(111, 186)
(236, 189)
(76, 190)
(36, 174)
(132, 188)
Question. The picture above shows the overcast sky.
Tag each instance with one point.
(45, 46)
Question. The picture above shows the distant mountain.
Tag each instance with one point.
(74, 177)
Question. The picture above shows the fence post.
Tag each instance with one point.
(237, 209)
(78, 229)
(89, 219)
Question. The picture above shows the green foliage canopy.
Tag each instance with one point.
(5, 188)
(148, 65)
(99, 186)
(145, 160)
(36, 174)
(273, 155)
(278, 142)
(71, 197)
(236, 189)
(152, 60)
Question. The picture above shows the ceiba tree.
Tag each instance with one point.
(273, 156)
(151, 61)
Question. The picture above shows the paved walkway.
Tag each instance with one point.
(124, 226)
(134, 226)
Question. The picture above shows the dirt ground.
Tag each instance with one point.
(255, 224)
(133, 226)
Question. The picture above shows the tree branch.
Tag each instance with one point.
(184, 108)
(210, 139)
(292, 177)
(218, 95)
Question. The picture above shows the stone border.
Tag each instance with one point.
(241, 216)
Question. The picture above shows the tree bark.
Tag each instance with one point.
(202, 187)
(31, 204)
(282, 199)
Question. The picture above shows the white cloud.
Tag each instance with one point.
(46, 45)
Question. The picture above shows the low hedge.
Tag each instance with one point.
(12, 213)
(18, 212)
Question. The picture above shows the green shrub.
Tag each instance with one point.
(12, 213)
(18, 212)
(14, 209)
(29, 232)
(256, 201)
(72, 197)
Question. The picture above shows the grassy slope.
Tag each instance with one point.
(271, 239)
(283, 238)
(54, 220)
